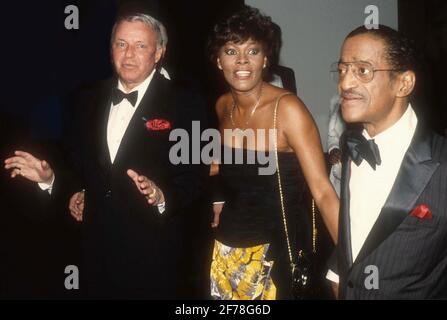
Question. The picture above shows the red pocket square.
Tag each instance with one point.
(422, 212)
(158, 125)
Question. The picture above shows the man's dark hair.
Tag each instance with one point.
(248, 23)
(399, 50)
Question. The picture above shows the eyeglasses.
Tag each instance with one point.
(362, 70)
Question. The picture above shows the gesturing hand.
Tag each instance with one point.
(76, 206)
(148, 188)
(31, 168)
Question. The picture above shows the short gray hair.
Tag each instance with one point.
(164, 35)
(151, 22)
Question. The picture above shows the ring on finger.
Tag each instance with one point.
(153, 193)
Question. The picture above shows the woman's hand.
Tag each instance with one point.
(217, 209)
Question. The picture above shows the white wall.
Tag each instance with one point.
(313, 31)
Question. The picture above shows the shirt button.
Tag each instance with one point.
(108, 193)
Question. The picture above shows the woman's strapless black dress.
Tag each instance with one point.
(252, 212)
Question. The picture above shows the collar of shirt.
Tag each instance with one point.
(120, 116)
(141, 88)
(165, 73)
(370, 188)
(396, 139)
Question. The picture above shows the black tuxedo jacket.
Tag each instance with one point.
(410, 253)
(131, 250)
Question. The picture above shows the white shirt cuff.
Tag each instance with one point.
(332, 276)
(47, 186)
(161, 207)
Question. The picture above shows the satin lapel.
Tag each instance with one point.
(415, 172)
(344, 220)
(151, 102)
(103, 111)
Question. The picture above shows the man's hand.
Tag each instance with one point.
(334, 156)
(217, 209)
(29, 167)
(148, 188)
(76, 206)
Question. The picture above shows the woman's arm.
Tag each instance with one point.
(298, 130)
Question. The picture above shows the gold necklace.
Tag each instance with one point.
(251, 114)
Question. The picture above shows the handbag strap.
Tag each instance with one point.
(281, 194)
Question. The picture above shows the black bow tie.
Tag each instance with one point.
(360, 148)
(118, 96)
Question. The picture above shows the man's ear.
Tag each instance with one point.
(406, 84)
(158, 54)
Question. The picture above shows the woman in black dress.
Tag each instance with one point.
(258, 216)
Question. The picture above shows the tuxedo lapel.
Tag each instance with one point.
(151, 102)
(102, 118)
(415, 172)
(344, 220)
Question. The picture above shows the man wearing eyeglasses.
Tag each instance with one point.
(393, 217)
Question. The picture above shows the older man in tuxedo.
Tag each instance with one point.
(393, 219)
(130, 197)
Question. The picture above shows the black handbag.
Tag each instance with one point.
(302, 276)
(300, 264)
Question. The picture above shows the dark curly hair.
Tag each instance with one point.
(400, 51)
(248, 23)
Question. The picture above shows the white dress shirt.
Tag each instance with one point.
(121, 114)
(165, 73)
(369, 188)
(119, 119)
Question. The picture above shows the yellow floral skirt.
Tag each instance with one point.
(241, 273)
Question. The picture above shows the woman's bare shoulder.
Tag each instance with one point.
(292, 111)
(288, 101)
(291, 104)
